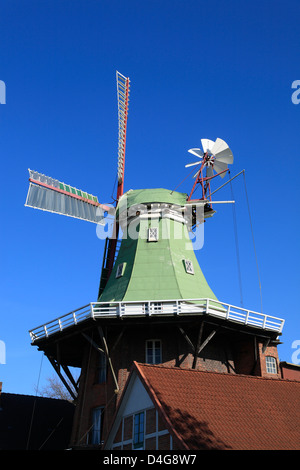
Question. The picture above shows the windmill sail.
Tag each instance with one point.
(51, 195)
(123, 86)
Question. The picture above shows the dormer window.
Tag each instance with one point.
(153, 234)
(189, 266)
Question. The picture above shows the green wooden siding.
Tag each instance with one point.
(156, 270)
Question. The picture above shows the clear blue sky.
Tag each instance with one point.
(198, 69)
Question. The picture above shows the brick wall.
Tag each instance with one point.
(263, 353)
(235, 353)
(250, 357)
(290, 371)
(176, 352)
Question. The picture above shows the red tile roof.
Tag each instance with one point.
(208, 410)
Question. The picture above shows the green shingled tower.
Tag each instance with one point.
(156, 260)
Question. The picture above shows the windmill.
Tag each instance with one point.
(152, 286)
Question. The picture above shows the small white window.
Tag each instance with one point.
(189, 266)
(153, 234)
(120, 270)
(271, 365)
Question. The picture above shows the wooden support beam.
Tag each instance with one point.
(255, 355)
(56, 367)
(227, 360)
(117, 340)
(198, 345)
(189, 342)
(92, 342)
(265, 345)
(58, 355)
(70, 377)
(108, 357)
(180, 361)
(212, 334)
(201, 346)
(255, 348)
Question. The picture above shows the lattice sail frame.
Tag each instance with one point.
(123, 87)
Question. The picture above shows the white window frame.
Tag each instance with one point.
(152, 342)
(189, 266)
(271, 365)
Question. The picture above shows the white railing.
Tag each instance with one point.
(211, 307)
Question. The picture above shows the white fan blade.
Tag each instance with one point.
(225, 156)
(207, 144)
(219, 166)
(197, 152)
(219, 146)
(192, 164)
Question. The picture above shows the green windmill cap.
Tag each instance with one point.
(152, 196)
(156, 270)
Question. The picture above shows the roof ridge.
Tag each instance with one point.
(25, 395)
(162, 366)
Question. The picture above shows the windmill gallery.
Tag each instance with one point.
(160, 355)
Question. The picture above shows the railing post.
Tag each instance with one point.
(247, 316)
(264, 322)
(207, 304)
(281, 326)
(60, 326)
(92, 311)
(45, 329)
(228, 312)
